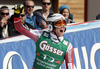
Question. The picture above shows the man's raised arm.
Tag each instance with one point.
(19, 27)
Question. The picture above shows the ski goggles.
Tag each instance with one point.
(61, 23)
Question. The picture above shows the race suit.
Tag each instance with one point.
(49, 52)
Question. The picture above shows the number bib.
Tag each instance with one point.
(49, 55)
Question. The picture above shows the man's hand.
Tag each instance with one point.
(3, 22)
(19, 8)
(43, 25)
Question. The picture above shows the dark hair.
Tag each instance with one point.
(27, 0)
(50, 1)
(71, 16)
(4, 7)
(61, 11)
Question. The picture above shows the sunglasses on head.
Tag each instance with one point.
(22, 15)
(45, 3)
(30, 6)
(61, 23)
(4, 13)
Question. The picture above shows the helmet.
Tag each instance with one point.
(52, 19)
(55, 17)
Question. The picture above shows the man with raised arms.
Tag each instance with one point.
(51, 47)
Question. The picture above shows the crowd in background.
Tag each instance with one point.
(34, 20)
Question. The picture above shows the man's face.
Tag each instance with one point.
(60, 31)
(29, 7)
(46, 5)
(4, 14)
(22, 17)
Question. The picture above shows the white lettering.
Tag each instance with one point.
(85, 57)
(45, 46)
(51, 49)
(69, 65)
(94, 49)
(8, 58)
(78, 62)
(44, 56)
(46, 63)
(69, 55)
(52, 59)
(92, 55)
(42, 45)
(55, 50)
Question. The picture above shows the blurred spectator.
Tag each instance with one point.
(98, 17)
(28, 8)
(6, 27)
(43, 13)
(65, 11)
(23, 17)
